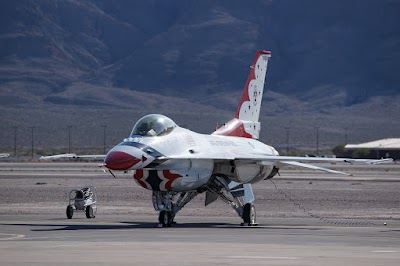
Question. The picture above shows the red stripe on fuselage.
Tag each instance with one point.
(171, 178)
(139, 174)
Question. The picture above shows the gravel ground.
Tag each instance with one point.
(43, 188)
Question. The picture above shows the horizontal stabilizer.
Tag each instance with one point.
(381, 161)
(313, 167)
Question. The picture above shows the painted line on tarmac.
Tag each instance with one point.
(384, 251)
(6, 237)
(260, 257)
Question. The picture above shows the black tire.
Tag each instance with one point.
(165, 218)
(249, 214)
(89, 212)
(70, 211)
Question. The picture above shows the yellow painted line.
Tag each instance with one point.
(10, 236)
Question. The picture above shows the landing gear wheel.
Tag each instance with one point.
(165, 218)
(249, 215)
(70, 211)
(89, 212)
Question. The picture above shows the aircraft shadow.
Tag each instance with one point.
(151, 225)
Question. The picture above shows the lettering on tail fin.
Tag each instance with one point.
(246, 122)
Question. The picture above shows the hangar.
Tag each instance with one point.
(383, 148)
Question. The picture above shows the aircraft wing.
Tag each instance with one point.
(72, 156)
(313, 167)
(279, 158)
(297, 161)
(281, 161)
(256, 157)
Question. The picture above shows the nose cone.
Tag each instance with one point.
(119, 160)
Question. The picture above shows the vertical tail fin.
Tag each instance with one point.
(250, 103)
(246, 122)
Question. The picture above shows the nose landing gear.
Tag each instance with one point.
(168, 203)
(165, 219)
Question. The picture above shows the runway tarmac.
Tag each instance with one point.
(309, 218)
(197, 241)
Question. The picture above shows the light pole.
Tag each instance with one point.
(287, 140)
(69, 139)
(317, 132)
(104, 138)
(15, 141)
(32, 128)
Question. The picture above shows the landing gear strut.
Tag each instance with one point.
(168, 203)
(239, 196)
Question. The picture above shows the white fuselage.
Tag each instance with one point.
(184, 160)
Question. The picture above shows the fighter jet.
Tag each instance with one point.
(176, 164)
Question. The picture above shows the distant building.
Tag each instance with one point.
(384, 148)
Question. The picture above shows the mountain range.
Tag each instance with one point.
(328, 57)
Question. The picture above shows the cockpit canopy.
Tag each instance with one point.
(153, 125)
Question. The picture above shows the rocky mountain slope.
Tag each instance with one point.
(337, 59)
(50, 49)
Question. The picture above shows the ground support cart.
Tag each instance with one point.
(82, 200)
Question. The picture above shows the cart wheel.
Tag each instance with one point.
(89, 212)
(70, 211)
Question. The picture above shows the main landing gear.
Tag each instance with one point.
(249, 215)
(239, 196)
